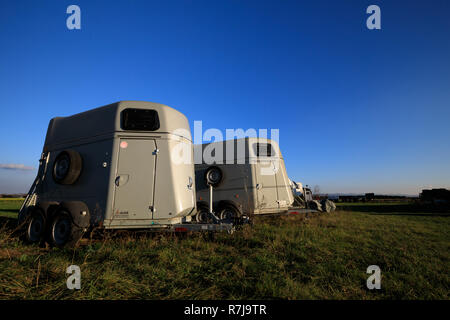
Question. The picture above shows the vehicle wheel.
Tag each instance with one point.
(67, 167)
(202, 215)
(63, 232)
(229, 214)
(33, 226)
(213, 176)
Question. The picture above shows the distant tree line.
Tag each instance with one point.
(17, 195)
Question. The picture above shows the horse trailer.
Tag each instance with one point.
(112, 167)
(248, 177)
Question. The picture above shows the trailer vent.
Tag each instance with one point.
(140, 119)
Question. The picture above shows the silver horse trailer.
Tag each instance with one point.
(248, 177)
(112, 167)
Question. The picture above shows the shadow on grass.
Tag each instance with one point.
(8, 224)
(400, 210)
(431, 214)
(10, 210)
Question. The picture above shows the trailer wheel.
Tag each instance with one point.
(67, 167)
(33, 226)
(63, 231)
(229, 214)
(202, 215)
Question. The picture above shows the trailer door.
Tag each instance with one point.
(266, 185)
(135, 178)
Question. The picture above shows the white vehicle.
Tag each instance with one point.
(303, 192)
(297, 188)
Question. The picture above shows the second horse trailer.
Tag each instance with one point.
(248, 177)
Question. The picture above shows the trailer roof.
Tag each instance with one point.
(107, 119)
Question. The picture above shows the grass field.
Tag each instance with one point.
(317, 257)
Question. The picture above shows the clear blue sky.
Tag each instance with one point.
(358, 110)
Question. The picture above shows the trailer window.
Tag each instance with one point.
(263, 149)
(140, 119)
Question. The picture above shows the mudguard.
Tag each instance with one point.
(237, 206)
(79, 212)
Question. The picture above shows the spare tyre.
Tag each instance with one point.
(213, 176)
(67, 167)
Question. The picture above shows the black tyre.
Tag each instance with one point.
(33, 226)
(202, 215)
(67, 167)
(63, 232)
(213, 176)
(229, 213)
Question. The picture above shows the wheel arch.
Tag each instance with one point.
(79, 212)
(202, 204)
(224, 203)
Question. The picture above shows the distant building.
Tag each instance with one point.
(370, 197)
(351, 198)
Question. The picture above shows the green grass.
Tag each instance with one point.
(317, 257)
(9, 207)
